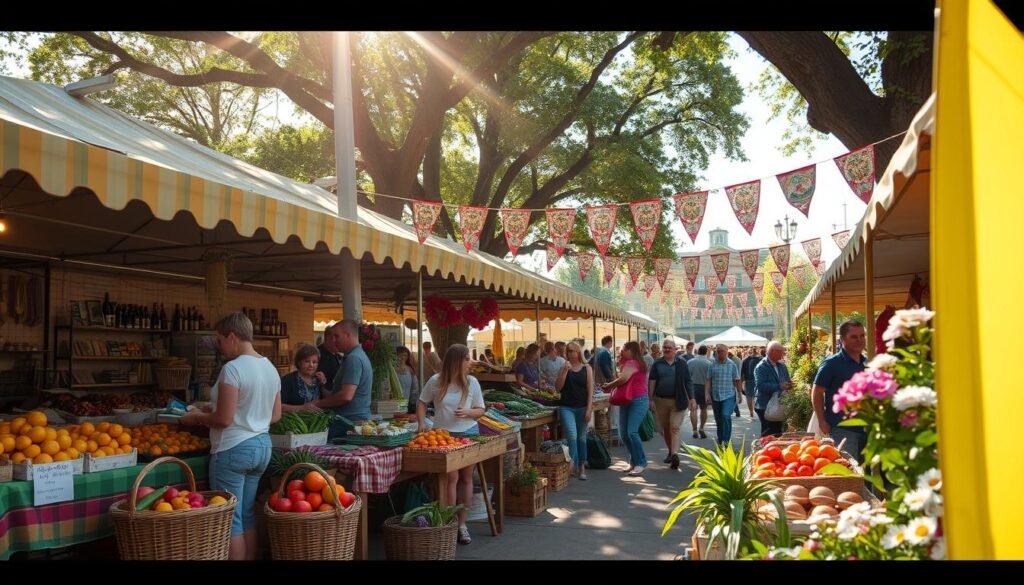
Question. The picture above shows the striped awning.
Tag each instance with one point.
(66, 143)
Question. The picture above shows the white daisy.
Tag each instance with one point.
(883, 361)
(931, 479)
(938, 550)
(895, 536)
(917, 499)
(914, 452)
(909, 318)
(920, 530)
(911, 396)
(847, 529)
(879, 517)
(934, 506)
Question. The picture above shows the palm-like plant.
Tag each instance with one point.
(724, 501)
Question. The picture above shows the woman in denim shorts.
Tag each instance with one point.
(246, 398)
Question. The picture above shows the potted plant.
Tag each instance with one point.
(527, 493)
(425, 533)
(725, 503)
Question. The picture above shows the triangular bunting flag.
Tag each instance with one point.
(424, 216)
(758, 282)
(690, 208)
(471, 223)
(730, 282)
(585, 261)
(661, 269)
(694, 299)
(798, 187)
(799, 275)
(691, 264)
(650, 282)
(841, 239)
(750, 312)
(820, 269)
(646, 218)
(514, 223)
(813, 249)
(610, 266)
(635, 265)
(718, 313)
(601, 222)
(742, 298)
(685, 311)
(560, 223)
(745, 200)
(858, 168)
(760, 311)
(781, 256)
(709, 301)
(770, 309)
(778, 280)
(720, 263)
(749, 259)
(627, 286)
(728, 301)
(712, 281)
(554, 255)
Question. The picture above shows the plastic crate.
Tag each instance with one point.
(380, 440)
(23, 470)
(292, 440)
(97, 464)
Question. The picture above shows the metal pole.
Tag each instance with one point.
(832, 333)
(789, 311)
(345, 171)
(869, 292)
(419, 323)
(536, 319)
(810, 334)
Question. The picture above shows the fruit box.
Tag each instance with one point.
(6, 471)
(803, 528)
(292, 440)
(23, 470)
(96, 464)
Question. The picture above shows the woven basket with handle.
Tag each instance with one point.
(412, 543)
(313, 536)
(196, 534)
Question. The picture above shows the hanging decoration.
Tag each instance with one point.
(742, 299)
(662, 266)
(799, 275)
(635, 265)
(770, 309)
(471, 224)
(749, 259)
(728, 301)
(690, 208)
(610, 266)
(712, 281)
(781, 256)
(694, 299)
(691, 264)
(628, 286)
(718, 313)
(554, 255)
(720, 263)
(730, 282)
(750, 312)
(858, 168)
(646, 218)
(778, 280)
(514, 222)
(560, 223)
(709, 301)
(650, 282)
(813, 249)
(585, 261)
(798, 187)
(745, 199)
(760, 311)
(820, 269)
(601, 222)
(841, 239)
(424, 216)
(758, 283)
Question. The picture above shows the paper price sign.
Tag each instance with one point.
(53, 482)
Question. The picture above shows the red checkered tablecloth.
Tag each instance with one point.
(372, 469)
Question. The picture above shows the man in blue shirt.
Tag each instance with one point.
(770, 377)
(832, 374)
(603, 370)
(353, 386)
(722, 389)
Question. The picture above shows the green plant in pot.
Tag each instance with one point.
(725, 502)
(432, 515)
(526, 477)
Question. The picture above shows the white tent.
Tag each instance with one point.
(736, 336)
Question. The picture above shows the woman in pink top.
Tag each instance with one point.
(632, 375)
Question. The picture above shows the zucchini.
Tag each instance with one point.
(150, 498)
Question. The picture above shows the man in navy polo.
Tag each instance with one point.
(835, 371)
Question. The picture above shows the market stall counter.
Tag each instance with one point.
(25, 527)
(533, 430)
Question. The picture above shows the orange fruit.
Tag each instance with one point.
(80, 445)
(38, 434)
(103, 427)
(51, 433)
(42, 458)
(61, 456)
(64, 441)
(17, 423)
(92, 446)
(115, 430)
(22, 442)
(86, 429)
(103, 439)
(51, 447)
(97, 454)
(36, 418)
(314, 482)
(790, 456)
(325, 508)
(32, 451)
(163, 507)
(18, 457)
(806, 460)
(315, 499)
(108, 450)
(72, 453)
(5, 427)
(156, 451)
(123, 438)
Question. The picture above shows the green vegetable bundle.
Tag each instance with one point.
(280, 461)
(302, 423)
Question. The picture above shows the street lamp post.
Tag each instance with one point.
(786, 231)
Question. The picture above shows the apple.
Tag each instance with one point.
(282, 505)
(295, 484)
(170, 494)
(196, 504)
(297, 496)
(143, 492)
(347, 499)
(302, 506)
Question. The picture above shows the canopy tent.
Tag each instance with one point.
(123, 193)
(735, 335)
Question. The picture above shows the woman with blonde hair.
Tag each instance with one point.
(458, 403)
(575, 407)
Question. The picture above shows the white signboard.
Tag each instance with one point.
(53, 482)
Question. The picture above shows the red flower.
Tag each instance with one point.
(368, 345)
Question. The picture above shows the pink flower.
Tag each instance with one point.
(812, 545)
(849, 558)
(851, 393)
(881, 384)
(908, 419)
(368, 345)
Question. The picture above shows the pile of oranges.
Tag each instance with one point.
(803, 459)
(160, 440)
(436, 439)
(30, 438)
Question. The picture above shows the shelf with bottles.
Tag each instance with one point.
(266, 324)
(106, 329)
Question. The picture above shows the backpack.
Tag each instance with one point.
(647, 427)
(598, 456)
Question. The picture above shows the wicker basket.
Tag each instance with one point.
(526, 501)
(556, 474)
(196, 534)
(313, 536)
(173, 378)
(411, 543)
(6, 471)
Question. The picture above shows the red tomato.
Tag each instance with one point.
(297, 496)
(773, 452)
(302, 506)
(283, 505)
(761, 460)
(793, 466)
(789, 473)
(805, 471)
(820, 462)
(807, 460)
(295, 484)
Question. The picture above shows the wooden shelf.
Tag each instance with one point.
(270, 337)
(110, 329)
(24, 351)
(77, 386)
(100, 358)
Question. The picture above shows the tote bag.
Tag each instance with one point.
(775, 411)
(620, 396)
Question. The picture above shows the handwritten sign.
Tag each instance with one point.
(53, 482)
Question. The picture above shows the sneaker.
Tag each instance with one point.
(668, 459)
(464, 537)
(639, 469)
(582, 476)
(703, 435)
(695, 435)
(675, 461)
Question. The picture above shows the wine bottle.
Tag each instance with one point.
(163, 317)
(177, 317)
(108, 310)
(137, 317)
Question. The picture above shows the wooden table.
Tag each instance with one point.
(489, 459)
(603, 403)
(533, 431)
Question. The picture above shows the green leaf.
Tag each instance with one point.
(896, 476)
(671, 519)
(927, 438)
(895, 455)
(853, 422)
(875, 481)
(837, 469)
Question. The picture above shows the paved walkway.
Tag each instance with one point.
(611, 515)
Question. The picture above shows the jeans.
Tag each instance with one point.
(630, 418)
(855, 441)
(238, 471)
(575, 427)
(723, 417)
(768, 427)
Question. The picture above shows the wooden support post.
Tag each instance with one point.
(832, 333)
(869, 292)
